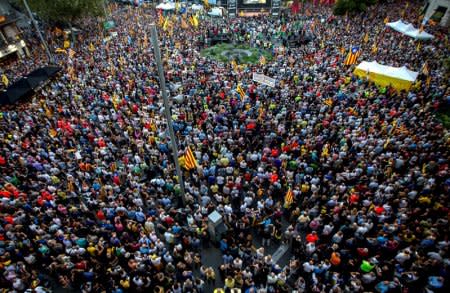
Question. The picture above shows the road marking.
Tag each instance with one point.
(280, 252)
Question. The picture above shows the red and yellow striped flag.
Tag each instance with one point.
(240, 91)
(189, 160)
(288, 198)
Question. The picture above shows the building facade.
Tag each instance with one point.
(11, 41)
(438, 11)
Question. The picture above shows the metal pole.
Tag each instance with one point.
(162, 83)
(44, 43)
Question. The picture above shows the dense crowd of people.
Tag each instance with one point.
(90, 198)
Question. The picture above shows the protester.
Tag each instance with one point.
(89, 193)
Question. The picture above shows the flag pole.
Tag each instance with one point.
(162, 83)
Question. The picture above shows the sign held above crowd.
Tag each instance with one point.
(264, 79)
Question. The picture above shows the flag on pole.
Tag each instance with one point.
(184, 25)
(428, 82)
(366, 38)
(425, 69)
(71, 53)
(234, 65)
(240, 91)
(189, 160)
(374, 49)
(161, 17)
(288, 198)
(5, 80)
(195, 20)
(352, 56)
(166, 24)
(206, 4)
(262, 60)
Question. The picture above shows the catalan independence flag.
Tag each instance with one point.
(352, 56)
(240, 91)
(189, 160)
(288, 198)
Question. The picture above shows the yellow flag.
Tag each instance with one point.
(240, 91)
(71, 53)
(195, 21)
(166, 24)
(234, 64)
(374, 49)
(206, 4)
(366, 37)
(91, 47)
(52, 132)
(419, 46)
(428, 81)
(66, 44)
(5, 80)
(184, 25)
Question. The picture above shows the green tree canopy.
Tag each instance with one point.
(343, 6)
(65, 11)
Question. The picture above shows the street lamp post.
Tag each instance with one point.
(162, 84)
(44, 43)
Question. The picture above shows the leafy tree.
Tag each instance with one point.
(343, 6)
(64, 11)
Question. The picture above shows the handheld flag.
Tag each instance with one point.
(262, 60)
(374, 49)
(366, 38)
(288, 198)
(206, 4)
(425, 69)
(195, 20)
(352, 56)
(5, 80)
(71, 53)
(234, 64)
(184, 25)
(240, 91)
(189, 160)
(428, 81)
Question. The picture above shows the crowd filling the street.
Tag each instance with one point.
(352, 177)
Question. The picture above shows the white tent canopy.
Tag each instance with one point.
(402, 73)
(409, 30)
(197, 7)
(166, 6)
